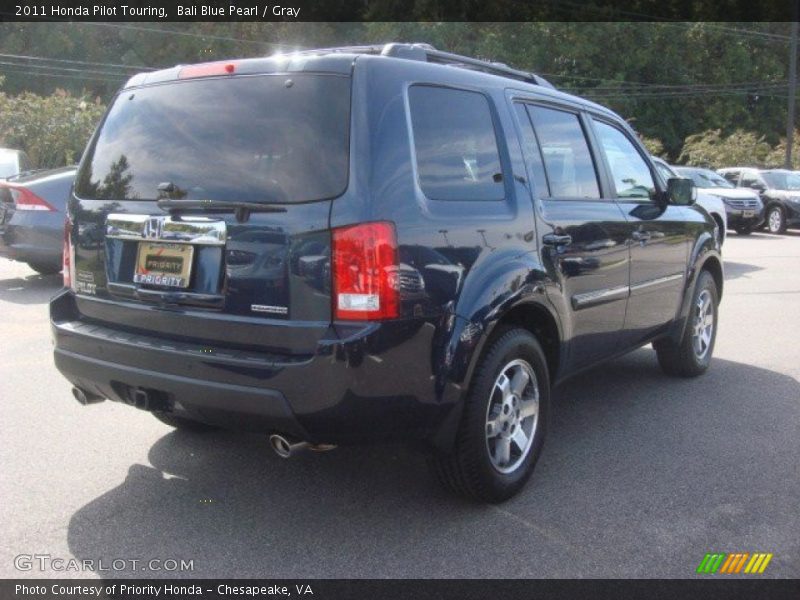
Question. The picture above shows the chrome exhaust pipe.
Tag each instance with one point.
(284, 447)
(86, 397)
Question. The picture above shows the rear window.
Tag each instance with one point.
(265, 138)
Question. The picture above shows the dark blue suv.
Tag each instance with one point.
(365, 244)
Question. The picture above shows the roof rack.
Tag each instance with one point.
(427, 53)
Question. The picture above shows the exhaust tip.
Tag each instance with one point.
(85, 397)
(280, 445)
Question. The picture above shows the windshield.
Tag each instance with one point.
(704, 178)
(265, 138)
(782, 181)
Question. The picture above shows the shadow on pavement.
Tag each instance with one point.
(641, 475)
(33, 289)
(734, 270)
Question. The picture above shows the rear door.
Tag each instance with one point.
(582, 231)
(201, 209)
(658, 235)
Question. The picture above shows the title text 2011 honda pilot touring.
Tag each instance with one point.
(373, 243)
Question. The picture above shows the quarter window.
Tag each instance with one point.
(631, 175)
(455, 144)
(532, 153)
(567, 160)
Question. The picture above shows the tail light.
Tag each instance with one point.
(365, 265)
(24, 199)
(68, 255)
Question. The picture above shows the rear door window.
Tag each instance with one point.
(455, 144)
(263, 138)
(568, 162)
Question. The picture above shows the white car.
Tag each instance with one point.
(13, 162)
(744, 207)
(708, 200)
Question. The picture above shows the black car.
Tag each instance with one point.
(448, 238)
(780, 192)
(32, 212)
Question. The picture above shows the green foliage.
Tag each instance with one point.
(777, 157)
(669, 79)
(653, 145)
(53, 129)
(714, 150)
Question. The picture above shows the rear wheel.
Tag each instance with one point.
(44, 268)
(692, 355)
(183, 424)
(504, 423)
(776, 220)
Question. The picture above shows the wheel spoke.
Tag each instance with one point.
(504, 385)
(520, 439)
(520, 381)
(503, 450)
(492, 429)
(528, 408)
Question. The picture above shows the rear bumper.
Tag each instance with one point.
(361, 385)
(33, 237)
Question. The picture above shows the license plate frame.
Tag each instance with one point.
(156, 264)
(748, 213)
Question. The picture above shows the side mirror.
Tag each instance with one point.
(680, 191)
(757, 186)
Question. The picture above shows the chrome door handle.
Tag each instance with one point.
(554, 239)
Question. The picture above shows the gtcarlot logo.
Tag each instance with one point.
(48, 562)
(734, 563)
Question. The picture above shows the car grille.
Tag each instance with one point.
(742, 203)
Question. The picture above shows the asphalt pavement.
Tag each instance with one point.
(641, 475)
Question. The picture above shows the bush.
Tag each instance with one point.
(713, 150)
(53, 130)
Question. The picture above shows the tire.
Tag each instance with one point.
(744, 230)
(478, 467)
(44, 268)
(692, 356)
(776, 220)
(183, 424)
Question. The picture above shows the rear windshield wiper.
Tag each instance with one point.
(241, 209)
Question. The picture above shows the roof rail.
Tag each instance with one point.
(427, 53)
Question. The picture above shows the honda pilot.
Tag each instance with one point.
(367, 244)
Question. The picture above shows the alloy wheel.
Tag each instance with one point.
(512, 416)
(703, 324)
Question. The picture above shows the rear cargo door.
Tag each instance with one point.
(201, 209)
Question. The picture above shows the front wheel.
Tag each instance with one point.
(504, 422)
(776, 220)
(692, 355)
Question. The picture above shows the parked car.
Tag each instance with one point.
(780, 192)
(745, 211)
(13, 162)
(560, 248)
(32, 212)
(706, 198)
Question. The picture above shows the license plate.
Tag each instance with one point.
(748, 213)
(164, 264)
